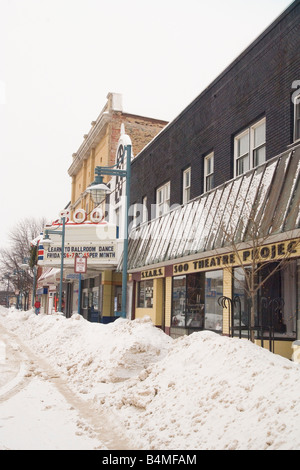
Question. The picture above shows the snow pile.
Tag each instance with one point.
(91, 353)
(213, 392)
(203, 391)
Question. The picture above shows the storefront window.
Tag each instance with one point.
(179, 301)
(85, 299)
(145, 294)
(276, 300)
(118, 299)
(242, 304)
(95, 299)
(289, 294)
(213, 291)
(195, 301)
(298, 299)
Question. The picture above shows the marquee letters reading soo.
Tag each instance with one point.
(274, 252)
(80, 216)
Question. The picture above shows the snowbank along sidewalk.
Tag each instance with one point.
(202, 391)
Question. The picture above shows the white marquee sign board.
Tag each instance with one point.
(96, 242)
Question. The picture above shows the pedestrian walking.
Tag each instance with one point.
(37, 306)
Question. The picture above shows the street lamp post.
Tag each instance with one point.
(7, 277)
(20, 274)
(47, 242)
(24, 266)
(112, 171)
(34, 286)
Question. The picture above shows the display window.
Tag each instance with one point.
(276, 300)
(213, 292)
(145, 294)
(179, 301)
(95, 298)
(195, 301)
(85, 299)
(118, 299)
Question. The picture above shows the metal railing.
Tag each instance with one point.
(267, 313)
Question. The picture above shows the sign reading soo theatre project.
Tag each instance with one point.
(97, 243)
(275, 252)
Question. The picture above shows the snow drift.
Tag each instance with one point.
(202, 391)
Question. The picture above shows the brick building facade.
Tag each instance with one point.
(100, 145)
(257, 85)
(95, 293)
(221, 185)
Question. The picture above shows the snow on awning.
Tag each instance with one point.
(267, 197)
(49, 273)
(37, 240)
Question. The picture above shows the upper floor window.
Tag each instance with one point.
(250, 148)
(144, 210)
(209, 172)
(135, 215)
(163, 199)
(297, 118)
(186, 195)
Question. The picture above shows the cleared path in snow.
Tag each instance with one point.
(35, 402)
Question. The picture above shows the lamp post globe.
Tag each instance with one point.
(46, 241)
(98, 192)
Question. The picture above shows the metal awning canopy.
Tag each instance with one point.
(266, 198)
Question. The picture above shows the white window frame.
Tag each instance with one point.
(249, 155)
(163, 199)
(297, 118)
(134, 219)
(144, 211)
(186, 191)
(209, 164)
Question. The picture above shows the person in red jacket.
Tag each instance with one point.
(37, 307)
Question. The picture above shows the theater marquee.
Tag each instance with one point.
(105, 252)
(96, 243)
(267, 253)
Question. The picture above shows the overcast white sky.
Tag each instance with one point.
(60, 58)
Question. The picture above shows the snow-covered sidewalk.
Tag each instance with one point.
(203, 391)
(39, 411)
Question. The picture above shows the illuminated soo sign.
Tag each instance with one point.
(80, 216)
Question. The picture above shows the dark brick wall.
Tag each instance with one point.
(258, 83)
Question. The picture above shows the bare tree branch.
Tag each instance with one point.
(20, 238)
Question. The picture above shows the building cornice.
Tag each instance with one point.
(91, 140)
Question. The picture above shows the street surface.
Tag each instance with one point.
(36, 403)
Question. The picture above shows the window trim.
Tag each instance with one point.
(207, 158)
(144, 209)
(296, 137)
(148, 287)
(165, 190)
(134, 215)
(249, 131)
(186, 189)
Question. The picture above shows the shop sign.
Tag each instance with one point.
(81, 216)
(102, 253)
(42, 291)
(97, 243)
(52, 288)
(73, 276)
(80, 265)
(153, 273)
(276, 251)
